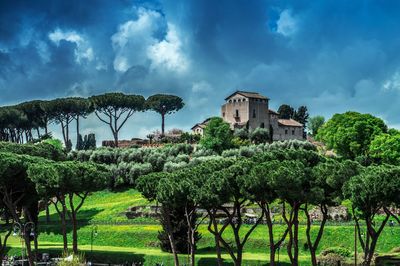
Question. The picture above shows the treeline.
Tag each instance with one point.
(296, 178)
(28, 121)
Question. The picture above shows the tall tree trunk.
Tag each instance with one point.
(115, 139)
(74, 225)
(296, 236)
(77, 130)
(217, 244)
(28, 248)
(62, 213)
(170, 234)
(162, 124)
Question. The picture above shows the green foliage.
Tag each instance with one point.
(285, 111)
(386, 148)
(49, 149)
(191, 138)
(341, 251)
(217, 135)
(164, 103)
(260, 135)
(351, 133)
(315, 124)
(114, 109)
(241, 133)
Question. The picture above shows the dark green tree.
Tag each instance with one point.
(374, 189)
(327, 181)
(285, 111)
(219, 189)
(260, 135)
(257, 185)
(68, 184)
(217, 135)
(301, 116)
(114, 109)
(164, 104)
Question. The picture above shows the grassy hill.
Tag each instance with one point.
(120, 239)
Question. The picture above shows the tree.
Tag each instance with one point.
(35, 114)
(351, 133)
(374, 189)
(114, 109)
(164, 104)
(62, 111)
(328, 179)
(260, 135)
(285, 111)
(315, 124)
(385, 148)
(217, 135)
(89, 142)
(258, 186)
(65, 181)
(301, 116)
(219, 189)
(81, 108)
(18, 192)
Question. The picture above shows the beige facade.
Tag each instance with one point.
(251, 110)
(244, 109)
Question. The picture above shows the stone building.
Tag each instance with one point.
(251, 110)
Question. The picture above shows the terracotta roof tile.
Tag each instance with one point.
(289, 123)
(248, 94)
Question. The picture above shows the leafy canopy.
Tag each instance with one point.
(351, 133)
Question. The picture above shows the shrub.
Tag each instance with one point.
(230, 153)
(259, 135)
(171, 166)
(241, 133)
(330, 259)
(344, 252)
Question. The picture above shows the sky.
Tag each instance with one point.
(332, 56)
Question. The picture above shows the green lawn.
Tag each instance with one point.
(137, 240)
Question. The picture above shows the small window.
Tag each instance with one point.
(234, 100)
(223, 114)
(262, 125)
(230, 101)
(292, 132)
(254, 113)
(286, 131)
(237, 113)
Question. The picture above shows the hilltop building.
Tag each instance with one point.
(251, 110)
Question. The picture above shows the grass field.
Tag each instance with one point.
(120, 239)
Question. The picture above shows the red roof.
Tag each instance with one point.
(289, 123)
(248, 94)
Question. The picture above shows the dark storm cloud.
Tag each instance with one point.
(332, 56)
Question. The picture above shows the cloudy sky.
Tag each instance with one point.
(332, 56)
